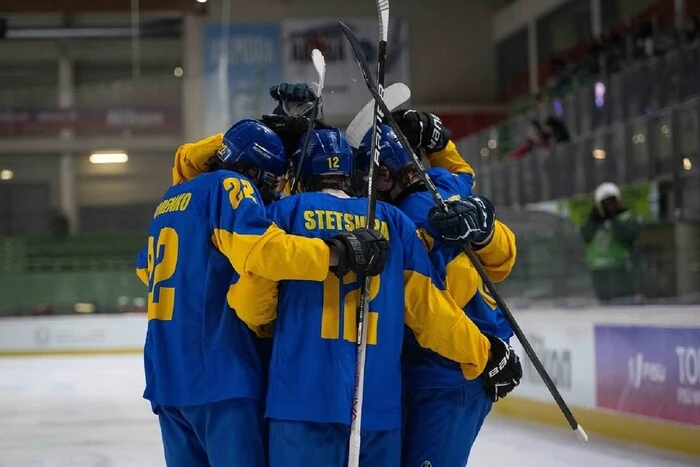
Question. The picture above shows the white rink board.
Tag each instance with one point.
(567, 351)
(73, 333)
(564, 339)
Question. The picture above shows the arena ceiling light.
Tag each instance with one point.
(687, 164)
(6, 174)
(115, 157)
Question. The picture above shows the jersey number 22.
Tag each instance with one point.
(162, 261)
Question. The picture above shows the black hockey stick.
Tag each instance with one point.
(320, 64)
(363, 306)
(364, 66)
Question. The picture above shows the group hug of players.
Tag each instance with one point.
(252, 295)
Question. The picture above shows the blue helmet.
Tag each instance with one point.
(250, 144)
(391, 153)
(328, 154)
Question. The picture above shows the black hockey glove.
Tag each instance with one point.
(292, 98)
(468, 220)
(290, 128)
(362, 251)
(423, 130)
(503, 370)
(292, 92)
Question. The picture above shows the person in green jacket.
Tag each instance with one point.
(610, 235)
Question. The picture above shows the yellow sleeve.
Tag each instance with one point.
(142, 273)
(192, 159)
(254, 299)
(461, 280)
(450, 159)
(498, 257)
(287, 189)
(274, 255)
(440, 325)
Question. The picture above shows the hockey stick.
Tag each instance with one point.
(363, 307)
(395, 95)
(320, 65)
(362, 61)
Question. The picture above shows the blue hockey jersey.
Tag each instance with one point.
(312, 370)
(205, 234)
(454, 179)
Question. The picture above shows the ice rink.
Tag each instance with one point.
(88, 412)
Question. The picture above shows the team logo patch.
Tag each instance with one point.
(426, 464)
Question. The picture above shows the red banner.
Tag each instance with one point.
(90, 121)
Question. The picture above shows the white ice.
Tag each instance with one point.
(88, 412)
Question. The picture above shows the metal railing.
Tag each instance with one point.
(647, 127)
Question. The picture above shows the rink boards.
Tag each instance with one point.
(629, 373)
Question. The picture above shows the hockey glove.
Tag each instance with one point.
(292, 98)
(468, 220)
(423, 130)
(503, 370)
(362, 251)
(290, 128)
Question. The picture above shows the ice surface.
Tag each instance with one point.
(88, 412)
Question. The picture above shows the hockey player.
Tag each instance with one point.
(192, 159)
(309, 401)
(444, 413)
(203, 376)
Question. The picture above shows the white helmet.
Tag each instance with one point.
(606, 190)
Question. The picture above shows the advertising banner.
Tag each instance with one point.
(566, 351)
(345, 92)
(73, 333)
(18, 122)
(240, 65)
(650, 371)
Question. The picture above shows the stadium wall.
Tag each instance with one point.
(627, 373)
(454, 66)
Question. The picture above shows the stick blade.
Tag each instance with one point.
(320, 65)
(395, 96)
(581, 434)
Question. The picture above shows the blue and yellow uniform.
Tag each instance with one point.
(312, 370)
(204, 376)
(443, 412)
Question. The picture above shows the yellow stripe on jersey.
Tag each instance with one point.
(498, 257)
(254, 299)
(274, 254)
(192, 159)
(461, 279)
(287, 188)
(142, 274)
(450, 159)
(440, 325)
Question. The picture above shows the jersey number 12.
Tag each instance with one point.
(337, 298)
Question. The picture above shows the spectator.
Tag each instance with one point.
(555, 130)
(610, 235)
(536, 138)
